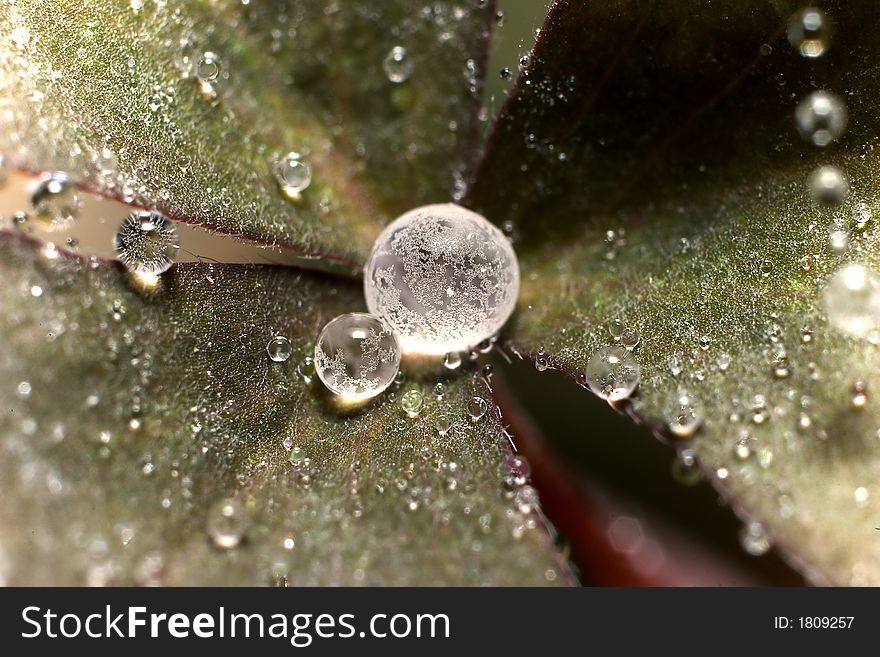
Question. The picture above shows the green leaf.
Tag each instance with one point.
(129, 414)
(672, 124)
(108, 92)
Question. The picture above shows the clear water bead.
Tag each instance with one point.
(412, 403)
(293, 174)
(146, 243)
(357, 356)
(684, 413)
(476, 408)
(279, 349)
(55, 201)
(613, 373)
(810, 31)
(828, 186)
(397, 65)
(443, 278)
(227, 523)
(754, 538)
(852, 300)
(208, 68)
(821, 117)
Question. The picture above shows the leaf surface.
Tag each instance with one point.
(650, 160)
(129, 415)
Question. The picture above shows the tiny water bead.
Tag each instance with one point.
(821, 117)
(754, 538)
(476, 408)
(397, 65)
(613, 373)
(852, 300)
(684, 413)
(208, 68)
(443, 278)
(357, 356)
(293, 174)
(279, 349)
(810, 31)
(686, 468)
(828, 186)
(55, 201)
(630, 338)
(412, 403)
(452, 360)
(146, 243)
(227, 523)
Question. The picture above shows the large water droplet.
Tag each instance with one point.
(443, 278)
(852, 300)
(810, 31)
(398, 65)
(821, 117)
(613, 373)
(293, 174)
(357, 356)
(227, 523)
(476, 408)
(55, 201)
(146, 243)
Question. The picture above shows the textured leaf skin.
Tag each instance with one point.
(295, 76)
(677, 128)
(142, 410)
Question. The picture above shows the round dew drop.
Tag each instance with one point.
(357, 356)
(443, 278)
(684, 414)
(279, 349)
(208, 68)
(397, 65)
(828, 186)
(810, 32)
(227, 523)
(613, 373)
(821, 117)
(293, 174)
(852, 300)
(55, 201)
(146, 243)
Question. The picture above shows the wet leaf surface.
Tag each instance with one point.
(128, 415)
(124, 98)
(651, 163)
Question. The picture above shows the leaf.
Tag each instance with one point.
(672, 125)
(128, 415)
(108, 92)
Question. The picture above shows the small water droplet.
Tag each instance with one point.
(630, 338)
(852, 300)
(520, 470)
(859, 395)
(439, 390)
(412, 402)
(754, 538)
(55, 201)
(505, 73)
(398, 65)
(208, 68)
(821, 118)
(227, 523)
(705, 342)
(452, 360)
(860, 496)
(293, 174)
(615, 328)
(541, 361)
(306, 370)
(296, 456)
(676, 363)
(146, 243)
(684, 413)
(442, 424)
(810, 31)
(279, 349)
(613, 373)
(476, 408)
(828, 186)
(723, 361)
(686, 468)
